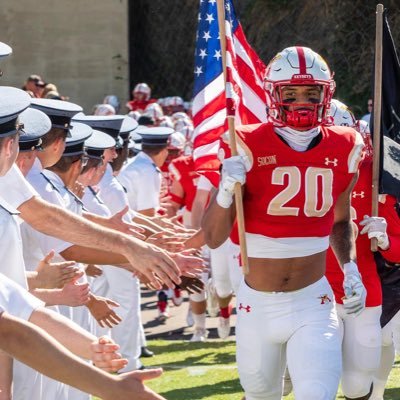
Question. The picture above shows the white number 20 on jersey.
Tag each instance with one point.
(318, 184)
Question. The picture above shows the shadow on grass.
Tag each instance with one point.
(178, 334)
(200, 392)
(392, 394)
(179, 346)
(207, 359)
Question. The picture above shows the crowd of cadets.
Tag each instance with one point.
(135, 174)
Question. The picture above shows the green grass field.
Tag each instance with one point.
(194, 371)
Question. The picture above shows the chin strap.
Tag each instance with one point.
(297, 140)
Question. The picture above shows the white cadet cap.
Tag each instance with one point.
(110, 124)
(128, 125)
(60, 112)
(157, 136)
(97, 143)
(75, 144)
(36, 124)
(12, 102)
(5, 50)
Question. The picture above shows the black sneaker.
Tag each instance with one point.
(146, 352)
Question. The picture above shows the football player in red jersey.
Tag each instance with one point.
(141, 98)
(297, 175)
(362, 335)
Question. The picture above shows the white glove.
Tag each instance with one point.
(233, 171)
(376, 228)
(354, 290)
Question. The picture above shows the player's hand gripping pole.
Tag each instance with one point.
(232, 144)
(377, 118)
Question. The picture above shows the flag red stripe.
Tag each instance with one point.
(209, 109)
(209, 136)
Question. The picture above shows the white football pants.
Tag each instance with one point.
(300, 327)
(361, 349)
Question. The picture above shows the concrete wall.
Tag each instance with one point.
(79, 45)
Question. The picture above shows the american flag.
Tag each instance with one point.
(247, 100)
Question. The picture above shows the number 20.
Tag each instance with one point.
(277, 204)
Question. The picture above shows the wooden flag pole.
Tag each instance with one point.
(377, 117)
(233, 145)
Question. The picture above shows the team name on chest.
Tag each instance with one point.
(266, 160)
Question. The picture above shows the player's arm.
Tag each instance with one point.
(342, 238)
(177, 195)
(342, 241)
(199, 207)
(219, 217)
(385, 228)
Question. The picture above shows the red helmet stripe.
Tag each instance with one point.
(302, 60)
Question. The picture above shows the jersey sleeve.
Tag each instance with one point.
(356, 154)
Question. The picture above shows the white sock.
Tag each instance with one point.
(382, 374)
(199, 321)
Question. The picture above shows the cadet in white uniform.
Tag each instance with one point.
(12, 102)
(142, 179)
(36, 244)
(89, 178)
(123, 287)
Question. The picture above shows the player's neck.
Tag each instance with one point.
(297, 140)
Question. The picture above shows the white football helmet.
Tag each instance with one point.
(341, 114)
(166, 122)
(154, 111)
(143, 88)
(363, 127)
(176, 141)
(181, 124)
(179, 115)
(175, 101)
(298, 66)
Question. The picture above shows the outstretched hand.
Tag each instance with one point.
(55, 275)
(117, 222)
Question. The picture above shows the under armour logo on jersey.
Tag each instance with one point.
(325, 299)
(242, 307)
(360, 194)
(334, 161)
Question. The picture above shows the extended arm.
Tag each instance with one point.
(342, 239)
(37, 349)
(55, 221)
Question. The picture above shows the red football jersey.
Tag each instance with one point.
(139, 105)
(361, 202)
(290, 193)
(182, 170)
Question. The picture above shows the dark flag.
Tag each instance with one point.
(389, 177)
(389, 180)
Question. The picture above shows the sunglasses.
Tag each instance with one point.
(84, 160)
